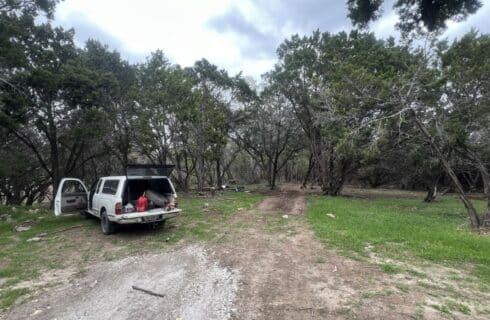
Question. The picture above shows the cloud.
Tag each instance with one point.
(259, 27)
(85, 30)
(306, 16)
(478, 21)
(253, 42)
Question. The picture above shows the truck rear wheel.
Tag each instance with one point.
(157, 225)
(108, 227)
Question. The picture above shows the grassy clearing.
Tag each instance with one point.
(402, 229)
(63, 247)
(205, 218)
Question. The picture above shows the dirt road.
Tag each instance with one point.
(266, 265)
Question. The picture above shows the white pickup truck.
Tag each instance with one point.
(113, 199)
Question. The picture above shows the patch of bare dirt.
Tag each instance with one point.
(290, 203)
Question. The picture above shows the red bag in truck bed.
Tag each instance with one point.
(142, 204)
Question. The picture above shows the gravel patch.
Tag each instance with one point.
(193, 287)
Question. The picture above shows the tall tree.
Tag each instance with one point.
(311, 74)
(414, 14)
(50, 103)
(466, 67)
(116, 99)
(28, 7)
(217, 94)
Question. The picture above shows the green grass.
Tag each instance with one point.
(390, 268)
(9, 296)
(450, 306)
(203, 219)
(21, 258)
(402, 229)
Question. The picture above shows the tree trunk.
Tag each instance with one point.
(273, 174)
(200, 173)
(219, 177)
(486, 182)
(471, 210)
(55, 169)
(311, 163)
(54, 152)
(472, 183)
(431, 193)
(432, 189)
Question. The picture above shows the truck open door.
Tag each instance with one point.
(71, 196)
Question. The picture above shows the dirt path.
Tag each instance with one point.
(291, 203)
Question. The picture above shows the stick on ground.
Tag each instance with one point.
(148, 292)
(69, 228)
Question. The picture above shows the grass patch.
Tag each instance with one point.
(22, 260)
(9, 296)
(205, 218)
(390, 268)
(376, 294)
(416, 273)
(441, 308)
(403, 288)
(450, 306)
(484, 311)
(402, 229)
(457, 306)
(320, 260)
(483, 272)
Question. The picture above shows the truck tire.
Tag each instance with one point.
(158, 225)
(107, 226)
(85, 215)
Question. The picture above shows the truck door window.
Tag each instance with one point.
(110, 187)
(99, 184)
(72, 187)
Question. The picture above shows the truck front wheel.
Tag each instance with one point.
(85, 215)
(108, 227)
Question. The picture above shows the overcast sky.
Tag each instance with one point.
(238, 35)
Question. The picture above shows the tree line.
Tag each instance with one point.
(335, 109)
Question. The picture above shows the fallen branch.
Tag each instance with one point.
(148, 292)
(66, 229)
